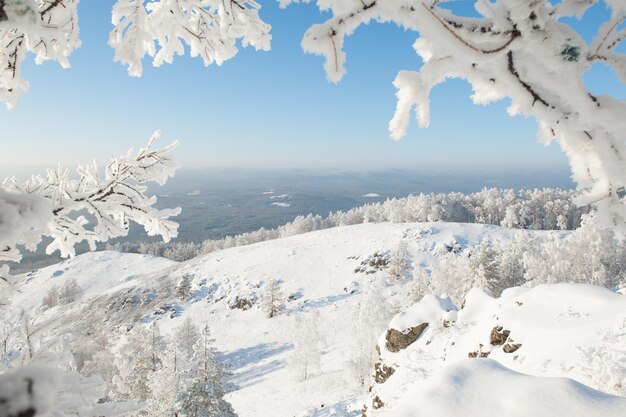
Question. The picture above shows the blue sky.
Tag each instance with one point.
(266, 109)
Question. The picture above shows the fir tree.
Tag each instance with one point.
(202, 392)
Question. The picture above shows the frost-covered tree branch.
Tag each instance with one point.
(56, 205)
(517, 49)
(521, 50)
(48, 29)
(210, 28)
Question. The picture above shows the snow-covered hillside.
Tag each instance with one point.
(336, 273)
(572, 330)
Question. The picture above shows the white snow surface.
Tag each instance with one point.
(371, 195)
(486, 388)
(553, 324)
(317, 272)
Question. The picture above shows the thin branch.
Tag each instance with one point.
(533, 93)
(514, 34)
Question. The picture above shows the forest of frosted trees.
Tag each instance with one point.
(538, 209)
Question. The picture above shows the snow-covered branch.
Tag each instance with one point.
(56, 205)
(49, 29)
(519, 50)
(160, 28)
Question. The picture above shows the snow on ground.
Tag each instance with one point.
(95, 272)
(317, 271)
(485, 388)
(371, 195)
(278, 204)
(546, 331)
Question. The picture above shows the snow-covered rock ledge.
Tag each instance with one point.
(550, 350)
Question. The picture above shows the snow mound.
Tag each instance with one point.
(574, 331)
(485, 388)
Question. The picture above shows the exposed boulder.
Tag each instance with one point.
(382, 372)
(377, 403)
(511, 347)
(499, 336)
(397, 340)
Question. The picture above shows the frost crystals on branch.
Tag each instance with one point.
(49, 29)
(160, 28)
(54, 205)
(517, 49)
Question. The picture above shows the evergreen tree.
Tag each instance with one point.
(420, 285)
(183, 289)
(136, 360)
(186, 336)
(202, 392)
(485, 269)
(398, 267)
(165, 383)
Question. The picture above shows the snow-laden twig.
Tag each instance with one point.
(56, 205)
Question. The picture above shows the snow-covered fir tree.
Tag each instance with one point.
(165, 382)
(398, 264)
(485, 269)
(202, 391)
(186, 336)
(136, 360)
(183, 289)
(420, 286)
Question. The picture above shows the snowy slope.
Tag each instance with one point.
(548, 331)
(317, 272)
(485, 388)
(96, 272)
